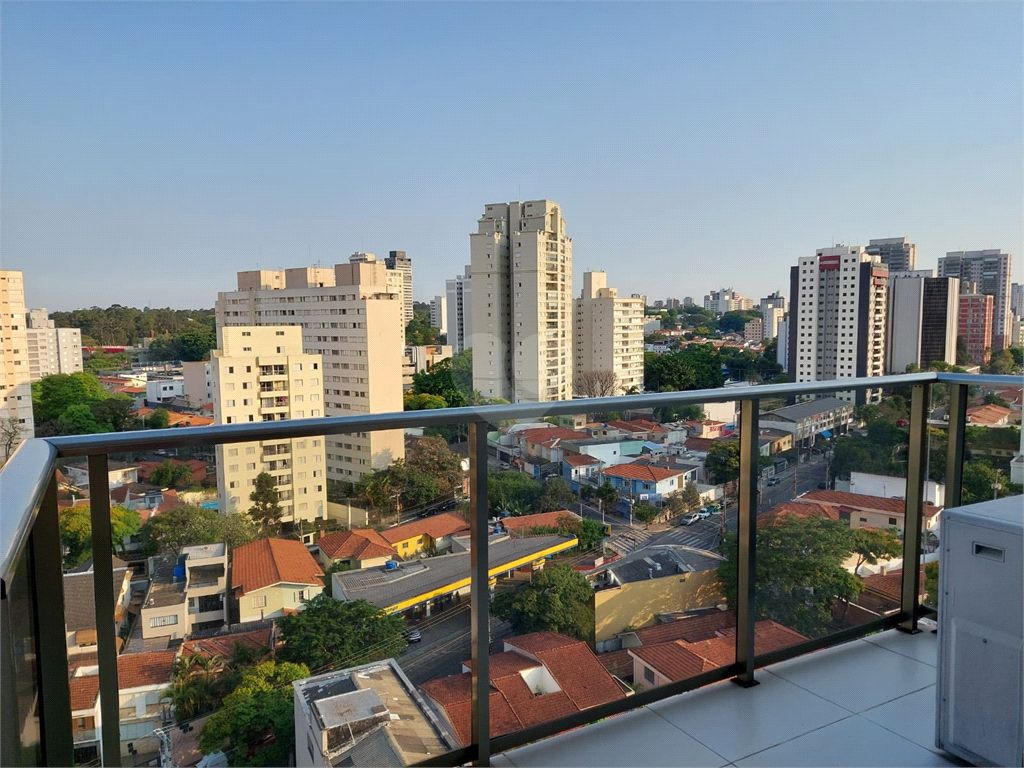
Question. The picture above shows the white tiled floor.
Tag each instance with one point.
(870, 702)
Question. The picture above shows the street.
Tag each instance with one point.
(809, 477)
(445, 645)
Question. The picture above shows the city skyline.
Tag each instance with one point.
(256, 136)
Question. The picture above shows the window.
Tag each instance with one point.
(231, 369)
(260, 601)
(164, 621)
(649, 675)
(892, 521)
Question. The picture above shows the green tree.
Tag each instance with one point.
(723, 461)
(978, 479)
(266, 507)
(171, 475)
(439, 381)
(692, 412)
(512, 491)
(646, 513)
(993, 399)
(931, 583)
(800, 572)
(871, 544)
(53, 395)
(235, 530)
(432, 455)
(419, 333)
(558, 600)
(263, 704)
(159, 419)
(696, 366)
(176, 529)
(339, 567)
(76, 531)
(113, 413)
(423, 402)
(606, 494)
(462, 371)
(556, 494)
(415, 486)
(733, 322)
(78, 419)
(337, 634)
(587, 532)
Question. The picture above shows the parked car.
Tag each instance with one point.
(773, 481)
(691, 519)
(450, 504)
(504, 465)
(704, 513)
(427, 512)
(714, 510)
(414, 636)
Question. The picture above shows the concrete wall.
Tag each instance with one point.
(278, 598)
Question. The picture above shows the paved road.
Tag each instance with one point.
(808, 477)
(445, 645)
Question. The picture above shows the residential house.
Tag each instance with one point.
(80, 605)
(142, 679)
(871, 511)
(633, 590)
(522, 525)
(825, 416)
(708, 428)
(544, 446)
(640, 429)
(991, 416)
(644, 483)
(580, 468)
(366, 715)
(187, 593)
(259, 641)
(537, 678)
(361, 548)
(272, 578)
(428, 535)
(118, 474)
(778, 440)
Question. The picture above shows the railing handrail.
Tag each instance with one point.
(23, 481)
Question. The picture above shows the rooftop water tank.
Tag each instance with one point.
(390, 565)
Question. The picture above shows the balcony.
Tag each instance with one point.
(854, 693)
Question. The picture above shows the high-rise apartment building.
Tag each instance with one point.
(439, 313)
(773, 301)
(352, 316)
(459, 301)
(726, 300)
(782, 350)
(521, 260)
(837, 318)
(976, 310)
(923, 318)
(397, 261)
(261, 374)
(15, 382)
(990, 270)
(753, 331)
(896, 253)
(51, 350)
(609, 334)
(1017, 299)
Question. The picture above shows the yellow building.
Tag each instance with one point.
(430, 535)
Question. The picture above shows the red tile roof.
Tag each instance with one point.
(636, 472)
(435, 527)
(361, 544)
(267, 562)
(618, 663)
(224, 645)
(84, 691)
(987, 414)
(543, 435)
(862, 501)
(136, 670)
(454, 694)
(649, 426)
(579, 459)
(524, 523)
(698, 443)
(690, 629)
(799, 509)
(673, 660)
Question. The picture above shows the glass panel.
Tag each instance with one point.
(21, 694)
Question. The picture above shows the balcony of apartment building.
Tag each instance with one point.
(755, 684)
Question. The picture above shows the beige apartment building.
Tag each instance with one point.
(261, 374)
(15, 378)
(51, 350)
(522, 304)
(350, 315)
(398, 262)
(609, 333)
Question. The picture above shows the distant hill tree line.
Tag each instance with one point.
(123, 326)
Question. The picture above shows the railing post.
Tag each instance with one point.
(956, 438)
(103, 585)
(480, 608)
(917, 454)
(54, 687)
(747, 530)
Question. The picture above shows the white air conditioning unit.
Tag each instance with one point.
(980, 692)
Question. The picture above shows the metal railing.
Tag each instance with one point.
(31, 583)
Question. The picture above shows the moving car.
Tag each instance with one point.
(691, 519)
(773, 481)
(414, 636)
(450, 504)
(704, 513)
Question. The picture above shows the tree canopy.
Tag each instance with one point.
(76, 531)
(337, 634)
(187, 526)
(696, 366)
(558, 599)
(171, 475)
(723, 461)
(266, 503)
(124, 326)
(419, 332)
(262, 705)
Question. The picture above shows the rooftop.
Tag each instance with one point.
(522, 524)
(637, 472)
(267, 562)
(205, 551)
(436, 527)
(361, 544)
(658, 561)
(863, 501)
(806, 410)
(412, 579)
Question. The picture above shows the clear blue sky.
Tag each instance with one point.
(151, 150)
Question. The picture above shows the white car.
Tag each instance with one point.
(704, 514)
(691, 519)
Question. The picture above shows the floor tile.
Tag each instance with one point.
(923, 647)
(911, 716)
(502, 762)
(853, 741)
(635, 738)
(857, 675)
(736, 722)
